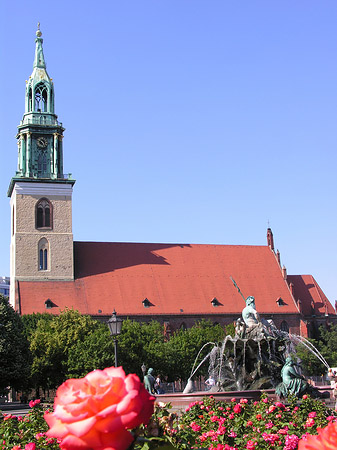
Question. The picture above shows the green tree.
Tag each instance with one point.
(52, 344)
(14, 349)
(326, 344)
(183, 348)
(141, 343)
(30, 322)
(94, 351)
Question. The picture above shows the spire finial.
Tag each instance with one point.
(38, 32)
(39, 58)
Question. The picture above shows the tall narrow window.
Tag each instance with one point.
(40, 98)
(29, 100)
(41, 259)
(42, 165)
(44, 214)
(43, 254)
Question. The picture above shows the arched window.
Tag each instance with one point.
(43, 254)
(284, 326)
(44, 214)
(41, 95)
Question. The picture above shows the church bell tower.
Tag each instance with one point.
(40, 193)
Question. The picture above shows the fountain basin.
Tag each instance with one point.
(180, 401)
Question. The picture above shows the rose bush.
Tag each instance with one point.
(26, 432)
(97, 411)
(263, 424)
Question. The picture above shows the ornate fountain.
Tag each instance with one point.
(258, 357)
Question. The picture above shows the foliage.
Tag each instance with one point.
(30, 322)
(14, 348)
(53, 343)
(18, 432)
(212, 424)
(94, 351)
(326, 343)
(230, 330)
(183, 348)
(141, 343)
(71, 345)
(242, 425)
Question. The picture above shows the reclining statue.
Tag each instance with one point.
(294, 383)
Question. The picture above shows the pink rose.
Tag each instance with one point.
(309, 423)
(279, 405)
(251, 445)
(95, 412)
(326, 439)
(30, 446)
(33, 403)
(195, 426)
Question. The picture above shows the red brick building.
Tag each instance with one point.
(179, 284)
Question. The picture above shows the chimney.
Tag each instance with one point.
(284, 272)
(270, 239)
(292, 289)
(278, 256)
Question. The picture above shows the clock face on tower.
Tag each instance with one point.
(42, 142)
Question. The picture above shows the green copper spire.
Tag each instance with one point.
(39, 89)
(40, 135)
(39, 56)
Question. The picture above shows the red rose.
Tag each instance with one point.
(237, 408)
(95, 412)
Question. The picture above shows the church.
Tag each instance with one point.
(176, 284)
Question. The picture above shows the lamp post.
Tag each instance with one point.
(115, 327)
(143, 367)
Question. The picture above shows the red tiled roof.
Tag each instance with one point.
(311, 295)
(176, 278)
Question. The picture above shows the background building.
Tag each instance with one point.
(4, 286)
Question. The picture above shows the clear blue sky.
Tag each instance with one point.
(187, 121)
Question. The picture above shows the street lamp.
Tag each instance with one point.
(143, 367)
(115, 326)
